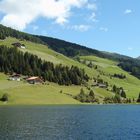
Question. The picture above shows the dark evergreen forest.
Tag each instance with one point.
(13, 60)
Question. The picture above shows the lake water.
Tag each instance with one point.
(101, 122)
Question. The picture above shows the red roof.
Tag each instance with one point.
(32, 78)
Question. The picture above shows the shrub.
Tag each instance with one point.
(88, 98)
(4, 98)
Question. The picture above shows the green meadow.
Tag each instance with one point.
(24, 93)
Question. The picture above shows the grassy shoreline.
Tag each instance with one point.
(80, 104)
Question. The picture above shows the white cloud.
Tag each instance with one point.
(81, 28)
(92, 6)
(130, 48)
(35, 27)
(128, 11)
(93, 17)
(105, 29)
(18, 14)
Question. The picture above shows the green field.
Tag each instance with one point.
(130, 84)
(24, 93)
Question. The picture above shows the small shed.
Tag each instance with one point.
(15, 77)
(34, 80)
(102, 85)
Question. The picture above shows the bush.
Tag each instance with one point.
(114, 99)
(91, 93)
(4, 98)
(119, 90)
(61, 91)
(88, 98)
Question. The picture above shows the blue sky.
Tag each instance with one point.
(107, 25)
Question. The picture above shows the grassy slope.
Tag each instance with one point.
(47, 54)
(130, 84)
(23, 93)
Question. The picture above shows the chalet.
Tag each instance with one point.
(15, 77)
(19, 45)
(34, 80)
(102, 85)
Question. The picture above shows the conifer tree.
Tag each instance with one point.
(138, 100)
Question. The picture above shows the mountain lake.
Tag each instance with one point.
(70, 122)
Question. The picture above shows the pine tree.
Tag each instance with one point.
(91, 93)
(82, 92)
(123, 94)
(138, 100)
(117, 98)
(114, 89)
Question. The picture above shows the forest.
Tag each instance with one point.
(132, 66)
(14, 61)
(7, 31)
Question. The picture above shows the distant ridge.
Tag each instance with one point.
(67, 48)
(72, 50)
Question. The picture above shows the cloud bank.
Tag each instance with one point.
(19, 13)
(127, 11)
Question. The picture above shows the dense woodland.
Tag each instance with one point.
(13, 60)
(67, 48)
(132, 66)
(71, 49)
(7, 31)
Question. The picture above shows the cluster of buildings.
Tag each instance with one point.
(18, 77)
(30, 80)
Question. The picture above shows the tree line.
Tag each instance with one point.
(132, 66)
(120, 76)
(9, 32)
(12, 60)
(116, 99)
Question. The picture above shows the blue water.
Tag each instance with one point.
(103, 122)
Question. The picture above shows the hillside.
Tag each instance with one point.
(24, 93)
(109, 67)
(72, 49)
(69, 49)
